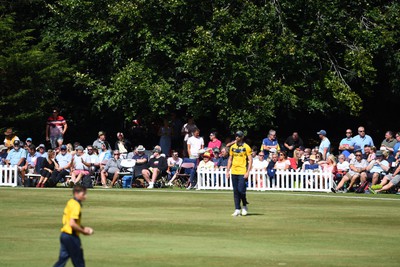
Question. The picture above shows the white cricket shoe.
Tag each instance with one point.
(236, 213)
(151, 185)
(244, 211)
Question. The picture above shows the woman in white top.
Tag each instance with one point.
(260, 164)
(283, 163)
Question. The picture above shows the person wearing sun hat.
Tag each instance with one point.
(10, 137)
(3, 154)
(206, 163)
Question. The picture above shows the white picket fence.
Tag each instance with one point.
(8, 175)
(289, 180)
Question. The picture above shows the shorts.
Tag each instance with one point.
(393, 179)
(83, 172)
(370, 175)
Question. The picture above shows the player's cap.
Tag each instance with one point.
(322, 132)
(239, 134)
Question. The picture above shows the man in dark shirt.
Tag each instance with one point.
(223, 159)
(292, 143)
(156, 167)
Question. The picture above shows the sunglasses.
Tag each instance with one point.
(361, 131)
(348, 132)
(358, 155)
(116, 154)
(261, 155)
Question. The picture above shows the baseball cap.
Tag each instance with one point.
(79, 148)
(216, 150)
(28, 139)
(63, 147)
(323, 132)
(156, 150)
(17, 143)
(239, 133)
(379, 153)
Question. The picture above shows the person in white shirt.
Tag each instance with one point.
(174, 163)
(194, 144)
(206, 163)
(260, 164)
(80, 166)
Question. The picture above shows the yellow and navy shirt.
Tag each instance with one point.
(239, 154)
(72, 211)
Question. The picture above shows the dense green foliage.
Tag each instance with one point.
(240, 61)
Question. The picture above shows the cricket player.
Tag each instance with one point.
(239, 165)
(70, 242)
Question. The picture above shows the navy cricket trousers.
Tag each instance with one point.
(70, 248)
(239, 190)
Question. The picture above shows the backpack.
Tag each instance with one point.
(361, 189)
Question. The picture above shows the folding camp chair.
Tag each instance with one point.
(126, 173)
(183, 174)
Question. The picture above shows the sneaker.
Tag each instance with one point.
(376, 187)
(105, 186)
(333, 190)
(71, 184)
(151, 185)
(345, 190)
(236, 213)
(244, 211)
(371, 190)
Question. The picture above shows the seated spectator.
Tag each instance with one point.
(80, 166)
(16, 156)
(64, 160)
(28, 142)
(156, 167)
(369, 153)
(311, 164)
(260, 163)
(269, 143)
(223, 159)
(346, 146)
(70, 149)
(214, 142)
(358, 166)
(376, 169)
(206, 163)
(389, 142)
(141, 161)
(105, 154)
(343, 167)
(329, 165)
(271, 168)
(283, 163)
(292, 143)
(122, 145)
(3, 154)
(396, 148)
(157, 147)
(98, 143)
(174, 163)
(42, 150)
(111, 170)
(254, 152)
(94, 159)
(10, 138)
(30, 162)
(388, 182)
(49, 165)
(215, 153)
(361, 140)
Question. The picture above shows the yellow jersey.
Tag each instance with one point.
(72, 211)
(239, 156)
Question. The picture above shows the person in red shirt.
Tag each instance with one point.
(55, 128)
(214, 142)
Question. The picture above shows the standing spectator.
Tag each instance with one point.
(98, 143)
(49, 165)
(187, 131)
(165, 133)
(361, 140)
(10, 138)
(157, 166)
(214, 142)
(111, 170)
(346, 146)
(176, 125)
(270, 143)
(325, 145)
(389, 142)
(239, 166)
(376, 169)
(292, 143)
(55, 128)
(3, 154)
(122, 145)
(194, 144)
(64, 160)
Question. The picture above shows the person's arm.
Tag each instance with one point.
(202, 143)
(287, 146)
(397, 171)
(384, 167)
(47, 132)
(371, 164)
(228, 167)
(231, 143)
(77, 228)
(65, 128)
(324, 153)
(87, 164)
(249, 166)
(188, 149)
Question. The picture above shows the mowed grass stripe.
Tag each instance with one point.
(152, 228)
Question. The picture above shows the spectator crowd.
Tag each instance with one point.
(361, 165)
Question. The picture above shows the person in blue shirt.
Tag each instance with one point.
(325, 145)
(269, 143)
(361, 140)
(17, 155)
(3, 154)
(346, 146)
(396, 148)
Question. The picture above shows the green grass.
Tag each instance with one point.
(175, 228)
